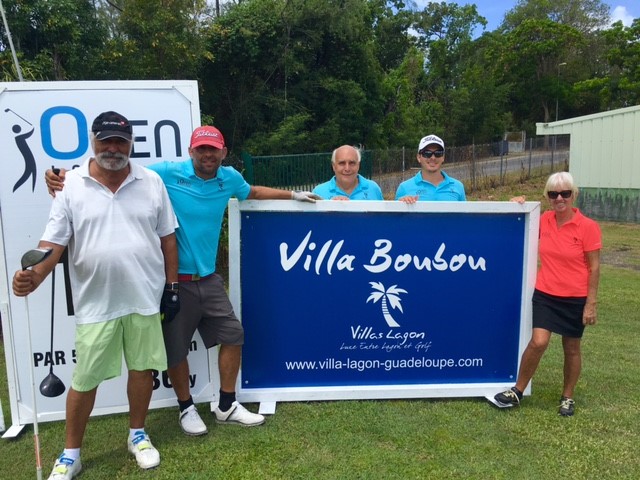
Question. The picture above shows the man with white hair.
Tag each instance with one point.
(347, 183)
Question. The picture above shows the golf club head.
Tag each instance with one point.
(52, 386)
(34, 257)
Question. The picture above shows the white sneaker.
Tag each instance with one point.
(238, 415)
(146, 454)
(191, 423)
(65, 468)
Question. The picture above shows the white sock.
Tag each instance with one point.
(72, 453)
(133, 431)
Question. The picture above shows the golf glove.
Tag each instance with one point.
(169, 305)
(305, 197)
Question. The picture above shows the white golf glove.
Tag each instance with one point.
(305, 197)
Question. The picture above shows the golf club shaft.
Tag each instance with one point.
(36, 435)
(53, 297)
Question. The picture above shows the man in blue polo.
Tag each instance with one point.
(431, 183)
(199, 190)
(347, 183)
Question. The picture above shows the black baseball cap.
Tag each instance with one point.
(111, 124)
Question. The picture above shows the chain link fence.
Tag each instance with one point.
(477, 166)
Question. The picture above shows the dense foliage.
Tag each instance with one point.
(296, 76)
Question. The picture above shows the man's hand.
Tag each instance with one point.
(305, 197)
(54, 180)
(25, 282)
(169, 305)
(409, 199)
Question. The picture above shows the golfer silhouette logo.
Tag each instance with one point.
(30, 169)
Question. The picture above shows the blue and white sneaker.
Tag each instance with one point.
(65, 468)
(146, 454)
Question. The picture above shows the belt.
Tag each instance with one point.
(191, 277)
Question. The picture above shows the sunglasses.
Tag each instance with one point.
(429, 154)
(564, 194)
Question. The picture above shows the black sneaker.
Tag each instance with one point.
(567, 407)
(509, 398)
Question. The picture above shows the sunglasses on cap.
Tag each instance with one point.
(429, 153)
(564, 194)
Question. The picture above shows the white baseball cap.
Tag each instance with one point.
(430, 140)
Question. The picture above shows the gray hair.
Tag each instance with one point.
(358, 153)
(558, 180)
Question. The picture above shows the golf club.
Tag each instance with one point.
(52, 386)
(29, 259)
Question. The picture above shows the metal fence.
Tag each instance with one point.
(477, 166)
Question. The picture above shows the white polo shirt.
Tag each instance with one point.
(116, 264)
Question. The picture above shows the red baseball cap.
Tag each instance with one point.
(210, 136)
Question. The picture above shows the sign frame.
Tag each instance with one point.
(239, 212)
(45, 123)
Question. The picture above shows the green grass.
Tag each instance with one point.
(407, 439)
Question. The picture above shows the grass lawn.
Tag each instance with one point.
(409, 439)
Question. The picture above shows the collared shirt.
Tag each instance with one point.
(199, 205)
(449, 190)
(365, 190)
(563, 265)
(116, 263)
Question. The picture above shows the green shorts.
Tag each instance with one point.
(99, 349)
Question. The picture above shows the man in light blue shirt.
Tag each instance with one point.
(431, 183)
(347, 183)
(199, 189)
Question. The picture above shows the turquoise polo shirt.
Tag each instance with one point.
(199, 205)
(365, 190)
(449, 190)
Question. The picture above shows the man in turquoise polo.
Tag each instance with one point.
(199, 189)
(347, 183)
(431, 183)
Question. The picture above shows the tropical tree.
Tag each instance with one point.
(445, 34)
(530, 58)
(389, 296)
(615, 81)
(155, 39)
(586, 16)
(312, 60)
(55, 39)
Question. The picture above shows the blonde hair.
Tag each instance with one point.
(558, 180)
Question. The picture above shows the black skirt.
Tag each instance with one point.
(561, 315)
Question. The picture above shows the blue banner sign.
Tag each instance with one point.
(402, 296)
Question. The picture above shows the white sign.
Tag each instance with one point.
(45, 124)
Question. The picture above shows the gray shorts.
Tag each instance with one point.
(205, 306)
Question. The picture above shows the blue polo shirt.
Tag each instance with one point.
(365, 190)
(449, 190)
(199, 205)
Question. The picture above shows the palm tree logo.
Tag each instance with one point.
(390, 294)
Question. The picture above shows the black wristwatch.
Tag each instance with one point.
(171, 286)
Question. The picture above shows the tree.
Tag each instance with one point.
(55, 39)
(583, 15)
(155, 39)
(615, 81)
(445, 35)
(313, 60)
(530, 57)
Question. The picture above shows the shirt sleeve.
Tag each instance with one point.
(59, 226)
(592, 236)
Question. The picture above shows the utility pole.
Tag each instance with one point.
(558, 86)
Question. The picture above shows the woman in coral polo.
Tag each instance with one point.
(564, 300)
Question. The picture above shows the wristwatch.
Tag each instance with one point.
(171, 286)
